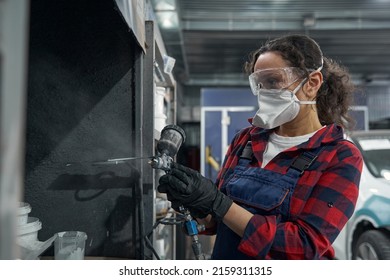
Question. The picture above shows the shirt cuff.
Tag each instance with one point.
(258, 236)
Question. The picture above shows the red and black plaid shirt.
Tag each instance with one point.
(323, 201)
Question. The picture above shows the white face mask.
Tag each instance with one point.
(277, 107)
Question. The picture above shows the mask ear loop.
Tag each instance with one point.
(307, 102)
(310, 102)
(302, 102)
(299, 86)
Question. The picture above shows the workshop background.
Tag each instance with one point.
(86, 81)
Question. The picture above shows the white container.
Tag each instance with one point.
(160, 122)
(159, 101)
(69, 245)
(160, 248)
(162, 206)
(23, 210)
(29, 232)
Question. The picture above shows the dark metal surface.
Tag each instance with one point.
(214, 37)
(81, 107)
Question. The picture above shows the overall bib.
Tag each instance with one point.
(260, 191)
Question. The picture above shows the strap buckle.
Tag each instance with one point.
(247, 152)
(303, 162)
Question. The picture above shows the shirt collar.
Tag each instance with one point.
(328, 134)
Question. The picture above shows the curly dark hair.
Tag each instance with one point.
(335, 96)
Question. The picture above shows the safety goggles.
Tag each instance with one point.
(274, 78)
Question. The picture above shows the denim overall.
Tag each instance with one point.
(260, 191)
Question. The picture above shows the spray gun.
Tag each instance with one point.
(172, 136)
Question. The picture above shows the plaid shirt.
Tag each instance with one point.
(323, 201)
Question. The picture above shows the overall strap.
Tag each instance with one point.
(246, 155)
(300, 164)
(304, 160)
(247, 152)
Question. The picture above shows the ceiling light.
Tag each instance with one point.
(166, 14)
(167, 19)
(164, 5)
(309, 21)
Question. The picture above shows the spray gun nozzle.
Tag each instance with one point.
(107, 162)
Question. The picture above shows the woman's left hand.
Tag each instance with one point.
(187, 187)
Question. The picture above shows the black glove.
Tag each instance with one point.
(187, 187)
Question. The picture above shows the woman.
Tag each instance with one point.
(289, 182)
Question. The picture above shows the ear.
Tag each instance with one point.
(313, 84)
